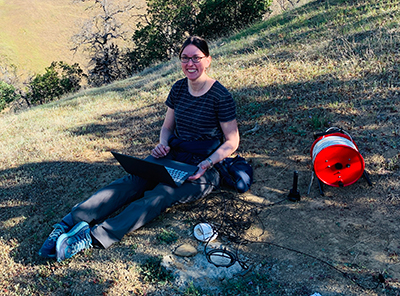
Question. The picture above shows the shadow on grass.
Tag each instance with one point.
(36, 196)
(33, 198)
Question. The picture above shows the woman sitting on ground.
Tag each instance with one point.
(199, 128)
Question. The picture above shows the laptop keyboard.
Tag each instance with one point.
(177, 175)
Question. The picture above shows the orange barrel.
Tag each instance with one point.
(336, 160)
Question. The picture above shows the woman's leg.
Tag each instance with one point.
(96, 208)
(153, 203)
(108, 200)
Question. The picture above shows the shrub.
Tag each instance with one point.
(159, 36)
(7, 94)
(60, 78)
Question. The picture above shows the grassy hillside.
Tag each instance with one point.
(328, 63)
(35, 33)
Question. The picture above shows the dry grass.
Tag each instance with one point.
(332, 63)
(34, 34)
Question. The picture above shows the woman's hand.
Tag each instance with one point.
(160, 151)
(203, 167)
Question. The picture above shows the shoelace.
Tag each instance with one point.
(81, 244)
(57, 231)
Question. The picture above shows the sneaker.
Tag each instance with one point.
(48, 249)
(76, 240)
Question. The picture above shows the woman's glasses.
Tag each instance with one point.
(195, 59)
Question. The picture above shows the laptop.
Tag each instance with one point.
(162, 170)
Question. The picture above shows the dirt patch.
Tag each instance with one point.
(336, 243)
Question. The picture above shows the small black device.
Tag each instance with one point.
(294, 194)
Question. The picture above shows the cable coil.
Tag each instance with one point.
(330, 141)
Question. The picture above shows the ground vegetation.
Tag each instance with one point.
(325, 64)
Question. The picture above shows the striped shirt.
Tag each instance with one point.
(198, 118)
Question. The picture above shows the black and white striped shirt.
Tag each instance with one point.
(198, 118)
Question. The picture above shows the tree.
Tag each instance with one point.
(8, 71)
(70, 76)
(168, 22)
(160, 31)
(221, 17)
(99, 38)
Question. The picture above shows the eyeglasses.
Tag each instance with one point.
(195, 59)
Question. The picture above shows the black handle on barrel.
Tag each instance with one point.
(332, 131)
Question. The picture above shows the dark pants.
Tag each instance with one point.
(144, 202)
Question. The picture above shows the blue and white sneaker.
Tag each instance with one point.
(76, 240)
(48, 248)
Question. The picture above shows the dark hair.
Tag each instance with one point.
(199, 42)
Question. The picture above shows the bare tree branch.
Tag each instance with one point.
(99, 37)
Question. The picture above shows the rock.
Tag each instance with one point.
(185, 250)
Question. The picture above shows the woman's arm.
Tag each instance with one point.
(231, 143)
(231, 133)
(162, 149)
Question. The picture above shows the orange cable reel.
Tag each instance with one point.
(336, 159)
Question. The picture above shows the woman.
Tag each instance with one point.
(199, 128)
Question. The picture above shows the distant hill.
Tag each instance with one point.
(36, 32)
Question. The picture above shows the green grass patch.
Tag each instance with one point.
(167, 236)
(152, 271)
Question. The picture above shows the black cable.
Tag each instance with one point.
(232, 228)
(230, 216)
(237, 216)
(221, 253)
(380, 276)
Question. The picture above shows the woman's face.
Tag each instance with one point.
(194, 70)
